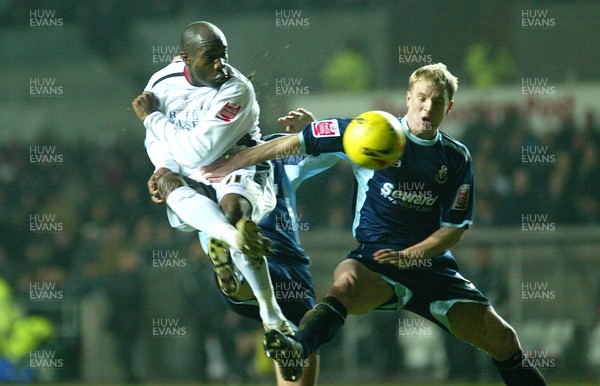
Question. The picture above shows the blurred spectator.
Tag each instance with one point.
(347, 70)
(520, 201)
(587, 185)
(486, 71)
(558, 204)
(125, 291)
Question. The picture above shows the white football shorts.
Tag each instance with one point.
(255, 183)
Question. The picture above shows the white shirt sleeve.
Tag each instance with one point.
(232, 114)
(159, 154)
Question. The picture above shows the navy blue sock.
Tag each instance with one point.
(320, 324)
(519, 371)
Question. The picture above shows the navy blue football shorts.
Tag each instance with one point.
(294, 291)
(428, 289)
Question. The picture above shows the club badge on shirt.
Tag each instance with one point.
(462, 197)
(229, 111)
(326, 128)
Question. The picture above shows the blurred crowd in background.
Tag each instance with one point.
(109, 228)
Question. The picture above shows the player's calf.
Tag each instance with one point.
(482, 327)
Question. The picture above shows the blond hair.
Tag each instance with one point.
(438, 74)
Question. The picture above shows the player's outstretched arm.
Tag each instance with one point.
(439, 241)
(279, 147)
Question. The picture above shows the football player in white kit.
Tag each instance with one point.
(196, 110)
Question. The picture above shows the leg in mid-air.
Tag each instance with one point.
(482, 327)
(284, 275)
(356, 290)
(244, 195)
(194, 203)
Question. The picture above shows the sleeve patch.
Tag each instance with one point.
(229, 111)
(462, 197)
(326, 128)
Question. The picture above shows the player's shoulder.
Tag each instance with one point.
(237, 83)
(171, 72)
(456, 147)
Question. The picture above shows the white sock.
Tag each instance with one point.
(259, 279)
(203, 214)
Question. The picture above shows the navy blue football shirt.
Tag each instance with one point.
(428, 187)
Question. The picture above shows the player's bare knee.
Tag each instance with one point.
(345, 288)
(169, 182)
(506, 339)
(235, 207)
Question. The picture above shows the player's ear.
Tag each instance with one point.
(407, 97)
(185, 57)
(450, 105)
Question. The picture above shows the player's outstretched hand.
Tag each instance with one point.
(153, 185)
(144, 104)
(216, 171)
(295, 121)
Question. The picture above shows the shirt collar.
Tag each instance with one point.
(414, 138)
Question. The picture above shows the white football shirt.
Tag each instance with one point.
(194, 126)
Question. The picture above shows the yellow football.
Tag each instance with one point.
(374, 140)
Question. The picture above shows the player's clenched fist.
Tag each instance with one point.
(153, 185)
(144, 104)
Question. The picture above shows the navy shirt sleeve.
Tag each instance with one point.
(324, 136)
(457, 205)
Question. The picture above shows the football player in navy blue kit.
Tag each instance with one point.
(407, 216)
(288, 265)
